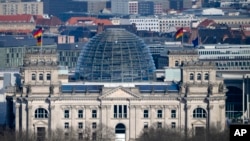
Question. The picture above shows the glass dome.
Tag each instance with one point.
(115, 55)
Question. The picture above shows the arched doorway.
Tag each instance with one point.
(120, 132)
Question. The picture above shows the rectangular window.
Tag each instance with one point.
(120, 111)
(159, 124)
(173, 124)
(115, 111)
(80, 113)
(94, 136)
(66, 125)
(159, 113)
(80, 125)
(66, 135)
(94, 113)
(66, 113)
(94, 125)
(80, 136)
(145, 114)
(124, 111)
(145, 125)
(173, 113)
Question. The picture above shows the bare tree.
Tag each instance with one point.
(168, 134)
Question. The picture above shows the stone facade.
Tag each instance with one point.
(44, 103)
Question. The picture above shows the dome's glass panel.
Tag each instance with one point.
(115, 55)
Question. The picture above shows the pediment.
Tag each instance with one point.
(40, 122)
(119, 93)
(198, 122)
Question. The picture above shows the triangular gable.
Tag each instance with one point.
(198, 122)
(119, 93)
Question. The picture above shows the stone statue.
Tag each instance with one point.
(210, 89)
(28, 89)
(180, 89)
(221, 87)
(51, 89)
(187, 89)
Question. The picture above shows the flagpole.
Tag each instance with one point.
(41, 46)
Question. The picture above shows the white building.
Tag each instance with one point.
(212, 12)
(44, 104)
(162, 23)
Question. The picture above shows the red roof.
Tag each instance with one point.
(53, 21)
(207, 23)
(16, 18)
(185, 29)
(87, 21)
(25, 31)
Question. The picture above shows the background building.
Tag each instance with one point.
(120, 7)
(14, 8)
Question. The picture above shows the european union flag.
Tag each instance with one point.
(195, 42)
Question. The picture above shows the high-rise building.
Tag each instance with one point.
(119, 7)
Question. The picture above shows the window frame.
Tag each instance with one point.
(94, 125)
(94, 113)
(80, 125)
(159, 113)
(173, 113)
(191, 76)
(146, 113)
(33, 77)
(48, 76)
(41, 113)
(40, 76)
(66, 113)
(80, 114)
(199, 113)
(66, 125)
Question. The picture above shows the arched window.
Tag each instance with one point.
(40, 76)
(198, 76)
(176, 63)
(33, 76)
(41, 113)
(206, 76)
(48, 76)
(199, 113)
(191, 76)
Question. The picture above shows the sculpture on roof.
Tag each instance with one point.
(221, 87)
(51, 89)
(210, 89)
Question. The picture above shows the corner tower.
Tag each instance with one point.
(39, 74)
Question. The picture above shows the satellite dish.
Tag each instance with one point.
(76, 46)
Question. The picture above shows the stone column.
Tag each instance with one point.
(24, 113)
(29, 119)
(222, 116)
(17, 106)
(51, 118)
(132, 122)
(166, 112)
(152, 114)
(187, 115)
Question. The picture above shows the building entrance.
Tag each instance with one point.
(120, 132)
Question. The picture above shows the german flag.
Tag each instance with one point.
(179, 33)
(38, 35)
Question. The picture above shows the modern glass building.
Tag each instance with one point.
(115, 55)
